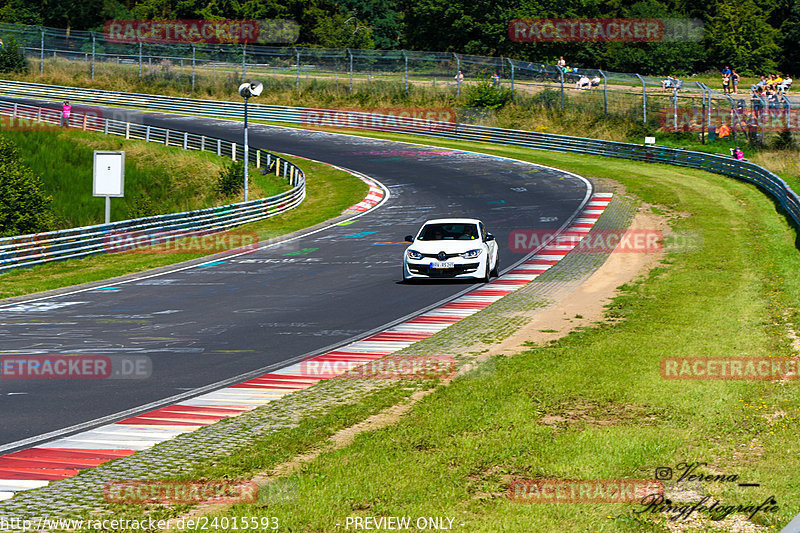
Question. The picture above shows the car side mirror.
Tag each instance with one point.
(489, 237)
(409, 238)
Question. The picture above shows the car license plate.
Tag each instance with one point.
(442, 264)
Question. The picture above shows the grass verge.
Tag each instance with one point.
(329, 192)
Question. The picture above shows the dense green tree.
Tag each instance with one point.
(739, 35)
(12, 57)
(24, 206)
(382, 17)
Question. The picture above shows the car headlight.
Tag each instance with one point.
(413, 254)
(472, 254)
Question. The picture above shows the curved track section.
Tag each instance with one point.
(251, 314)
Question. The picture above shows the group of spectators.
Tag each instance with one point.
(774, 83)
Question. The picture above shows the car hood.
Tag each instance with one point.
(450, 247)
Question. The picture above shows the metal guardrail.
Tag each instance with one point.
(29, 250)
(752, 173)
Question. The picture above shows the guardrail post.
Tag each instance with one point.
(41, 54)
(93, 49)
(38, 114)
(605, 92)
(166, 138)
(84, 123)
(269, 160)
(105, 126)
(185, 139)
(258, 158)
(233, 151)
(351, 67)
(140, 59)
(708, 111)
(202, 143)
(15, 110)
(644, 99)
(219, 147)
(127, 130)
(277, 166)
(147, 134)
(193, 66)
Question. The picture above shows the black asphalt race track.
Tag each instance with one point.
(204, 324)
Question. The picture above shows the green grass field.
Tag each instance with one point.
(455, 455)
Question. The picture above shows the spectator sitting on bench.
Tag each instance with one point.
(583, 83)
(596, 81)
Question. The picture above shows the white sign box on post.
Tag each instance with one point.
(109, 173)
(109, 176)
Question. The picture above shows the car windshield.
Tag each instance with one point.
(448, 232)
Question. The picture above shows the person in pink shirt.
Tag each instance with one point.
(66, 111)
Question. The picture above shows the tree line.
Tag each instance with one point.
(754, 38)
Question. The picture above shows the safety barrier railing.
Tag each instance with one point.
(725, 165)
(35, 249)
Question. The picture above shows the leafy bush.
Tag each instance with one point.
(12, 57)
(548, 99)
(231, 179)
(785, 141)
(24, 206)
(485, 95)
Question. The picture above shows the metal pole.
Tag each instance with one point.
(708, 112)
(246, 146)
(644, 99)
(193, 66)
(675, 108)
(561, 76)
(297, 74)
(351, 68)
(140, 59)
(41, 55)
(244, 65)
(605, 92)
(458, 78)
(512, 75)
(93, 48)
(702, 116)
(405, 70)
(108, 210)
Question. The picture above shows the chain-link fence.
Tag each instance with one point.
(671, 104)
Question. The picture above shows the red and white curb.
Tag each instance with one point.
(63, 458)
(373, 198)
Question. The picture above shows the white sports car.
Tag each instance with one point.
(451, 248)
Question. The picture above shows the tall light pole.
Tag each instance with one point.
(247, 91)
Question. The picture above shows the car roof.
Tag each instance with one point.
(452, 221)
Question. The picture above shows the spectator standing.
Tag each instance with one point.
(726, 79)
(496, 80)
(459, 77)
(66, 111)
(561, 63)
(735, 81)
